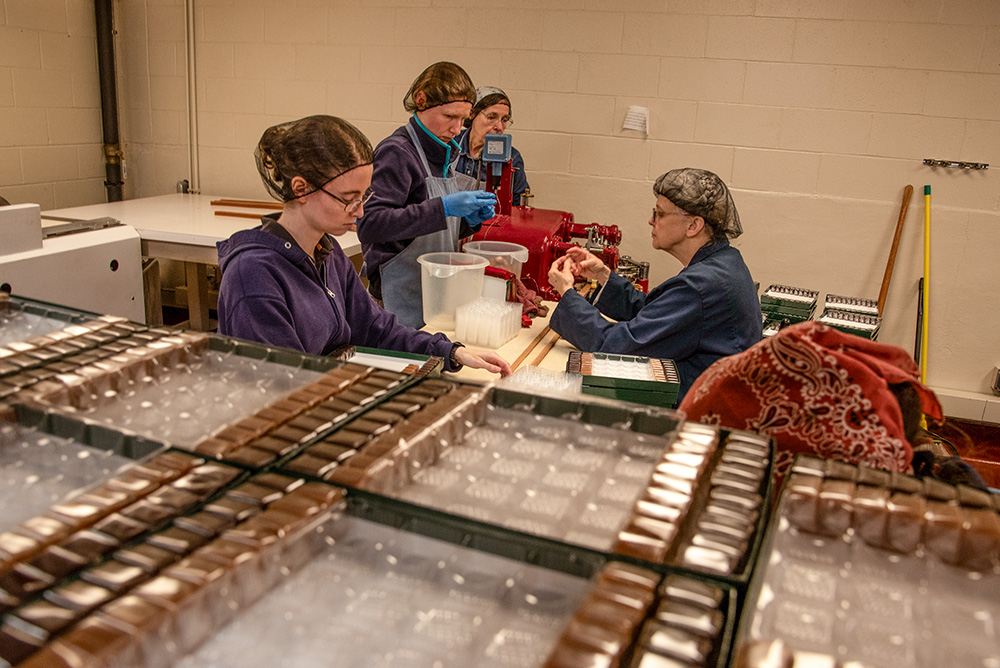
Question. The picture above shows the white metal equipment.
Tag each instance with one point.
(88, 265)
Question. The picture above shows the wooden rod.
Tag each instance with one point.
(531, 346)
(248, 203)
(907, 193)
(545, 350)
(238, 214)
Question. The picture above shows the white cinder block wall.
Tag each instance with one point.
(50, 104)
(816, 112)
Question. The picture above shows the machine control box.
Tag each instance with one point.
(497, 148)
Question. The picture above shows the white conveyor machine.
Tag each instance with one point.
(90, 265)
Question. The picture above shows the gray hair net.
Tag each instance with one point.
(484, 92)
(702, 193)
(487, 96)
(317, 148)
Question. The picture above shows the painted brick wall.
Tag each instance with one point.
(816, 112)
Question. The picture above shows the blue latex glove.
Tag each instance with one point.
(481, 216)
(467, 202)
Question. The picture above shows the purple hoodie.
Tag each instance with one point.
(273, 293)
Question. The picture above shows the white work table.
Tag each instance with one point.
(182, 227)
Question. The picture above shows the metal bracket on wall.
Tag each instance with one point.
(955, 164)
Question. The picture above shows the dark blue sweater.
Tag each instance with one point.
(707, 311)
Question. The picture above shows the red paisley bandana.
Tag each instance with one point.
(818, 391)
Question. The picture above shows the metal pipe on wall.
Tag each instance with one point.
(109, 99)
(192, 99)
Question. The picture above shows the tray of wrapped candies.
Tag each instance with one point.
(868, 568)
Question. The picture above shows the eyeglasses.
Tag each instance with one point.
(660, 215)
(493, 117)
(354, 204)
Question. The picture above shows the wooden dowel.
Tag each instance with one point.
(545, 350)
(238, 214)
(583, 290)
(531, 346)
(248, 203)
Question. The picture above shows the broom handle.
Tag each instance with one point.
(907, 193)
(927, 284)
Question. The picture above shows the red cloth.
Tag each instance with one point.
(528, 299)
(818, 391)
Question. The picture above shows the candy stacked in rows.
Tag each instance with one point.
(163, 553)
(24, 362)
(375, 450)
(854, 315)
(688, 626)
(916, 562)
(604, 627)
(704, 502)
(631, 618)
(175, 390)
(301, 417)
(377, 596)
(557, 478)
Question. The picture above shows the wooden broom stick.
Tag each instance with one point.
(907, 193)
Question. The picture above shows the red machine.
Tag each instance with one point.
(544, 232)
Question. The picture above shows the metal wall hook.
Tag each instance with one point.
(955, 164)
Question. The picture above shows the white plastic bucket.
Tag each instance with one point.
(501, 254)
(448, 280)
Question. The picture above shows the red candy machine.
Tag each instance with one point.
(544, 232)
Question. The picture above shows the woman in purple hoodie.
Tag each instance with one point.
(288, 283)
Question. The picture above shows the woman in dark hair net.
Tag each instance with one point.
(287, 282)
(490, 114)
(707, 311)
(421, 205)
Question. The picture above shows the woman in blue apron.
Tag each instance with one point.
(421, 205)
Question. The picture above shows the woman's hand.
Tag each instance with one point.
(561, 274)
(483, 359)
(588, 265)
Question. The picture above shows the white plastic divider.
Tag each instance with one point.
(487, 323)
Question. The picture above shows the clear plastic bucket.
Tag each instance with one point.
(501, 254)
(447, 281)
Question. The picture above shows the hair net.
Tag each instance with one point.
(702, 193)
(442, 83)
(487, 96)
(317, 148)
